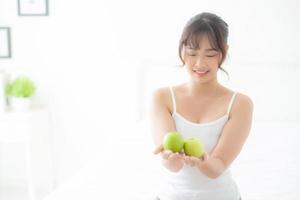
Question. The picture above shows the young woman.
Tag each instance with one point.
(202, 108)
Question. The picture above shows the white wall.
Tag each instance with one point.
(87, 58)
(69, 55)
(263, 58)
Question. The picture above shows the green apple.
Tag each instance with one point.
(173, 141)
(193, 147)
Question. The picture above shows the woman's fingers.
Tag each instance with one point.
(195, 161)
(174, 156)
(205, 156)
(158, 149)
(166, 154)
(187, 160)
(191, 160)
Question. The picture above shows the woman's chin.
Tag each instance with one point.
(201, 80)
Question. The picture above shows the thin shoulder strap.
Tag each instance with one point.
(173, 99)
(231, 102)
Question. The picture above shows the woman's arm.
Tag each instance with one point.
(162, 122)
(232, 139)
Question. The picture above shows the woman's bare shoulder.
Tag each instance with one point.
(241, 100)
(239, 95)
(242, 103)
(161, 94)
(164, 95)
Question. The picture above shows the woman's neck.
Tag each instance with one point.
(209, 89)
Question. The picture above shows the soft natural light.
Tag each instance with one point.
(96, 64)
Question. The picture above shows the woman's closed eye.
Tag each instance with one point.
(206, 55)
(210, 55)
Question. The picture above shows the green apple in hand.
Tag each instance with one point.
(173, 141)
(193, 147)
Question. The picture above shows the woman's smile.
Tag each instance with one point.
(201, 73)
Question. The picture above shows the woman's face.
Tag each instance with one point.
(202, 63)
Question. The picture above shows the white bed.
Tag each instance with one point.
(267, 168)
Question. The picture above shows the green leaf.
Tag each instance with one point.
(21, 87)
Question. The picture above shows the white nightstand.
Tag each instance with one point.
(28, 128)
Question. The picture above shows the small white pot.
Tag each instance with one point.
(20, 104)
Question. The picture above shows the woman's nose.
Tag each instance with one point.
(199, 61)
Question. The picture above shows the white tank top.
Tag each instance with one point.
(190, 183)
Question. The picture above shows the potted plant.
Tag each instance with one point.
(20, 91)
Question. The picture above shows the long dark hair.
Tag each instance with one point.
(205, 24)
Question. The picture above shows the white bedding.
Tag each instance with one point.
(267, 167)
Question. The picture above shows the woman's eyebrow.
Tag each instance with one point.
(210, 49)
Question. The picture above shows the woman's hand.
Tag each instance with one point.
(168, 154)
(172, 161)
(194, 161)
(175, 161)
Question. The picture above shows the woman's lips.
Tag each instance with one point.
(200, 73)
